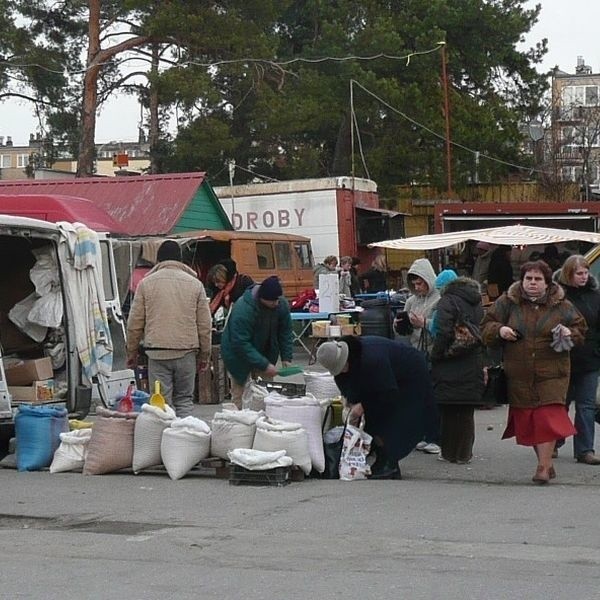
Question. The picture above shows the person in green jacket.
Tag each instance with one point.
(257, 333)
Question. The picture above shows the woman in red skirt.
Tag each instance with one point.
(528, 320)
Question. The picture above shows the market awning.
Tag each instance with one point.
(510, 235)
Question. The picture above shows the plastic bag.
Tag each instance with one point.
(353, 459)
(70, 455)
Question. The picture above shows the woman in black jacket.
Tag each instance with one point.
(457, 367)
(581, 289)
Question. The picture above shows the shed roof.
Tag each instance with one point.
(144, 205)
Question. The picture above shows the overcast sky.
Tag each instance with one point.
(569, 25)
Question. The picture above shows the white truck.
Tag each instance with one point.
(70, 273)
(340, 215)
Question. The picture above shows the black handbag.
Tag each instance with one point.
(402, 323)
(333, 454)
(496, 390)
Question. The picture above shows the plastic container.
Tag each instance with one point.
(279, 476)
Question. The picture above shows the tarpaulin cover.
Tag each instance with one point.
(510, 235)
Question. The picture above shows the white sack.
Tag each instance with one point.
(48, 308)
(147, 435)
(183, 445)
(253, 396)
(273, 435)
(232, 429)
(321, 385)
(70, 455)
(19, 315)
(257, 460)
(306, 411)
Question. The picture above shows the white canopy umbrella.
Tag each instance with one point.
(510, 235)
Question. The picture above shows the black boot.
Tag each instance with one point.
(388, 470)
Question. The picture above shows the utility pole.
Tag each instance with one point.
(447, 120)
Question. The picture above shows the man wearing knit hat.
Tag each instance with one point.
(258, 332)
(170, 312)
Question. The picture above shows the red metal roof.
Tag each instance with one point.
(144, 205)
(59, 208)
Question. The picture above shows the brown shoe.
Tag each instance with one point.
(589, 458)
(551, 473)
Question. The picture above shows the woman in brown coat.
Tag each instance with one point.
(523, 320)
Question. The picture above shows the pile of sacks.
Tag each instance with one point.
(283, 431)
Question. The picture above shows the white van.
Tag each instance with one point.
(67, 334)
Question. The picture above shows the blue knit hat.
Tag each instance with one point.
(444, 278)
(270, 288)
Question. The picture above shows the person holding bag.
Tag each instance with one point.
(388, 382)
(419, 308)
(457, 365)
(582, 290)
(528, 321)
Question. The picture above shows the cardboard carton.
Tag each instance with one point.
(25, 372)
(37, 392)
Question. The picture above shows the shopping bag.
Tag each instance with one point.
(353, 459)
(496, 390)
(333, 441)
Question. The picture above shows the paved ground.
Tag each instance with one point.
(478, 531)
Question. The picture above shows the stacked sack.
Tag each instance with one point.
(37, 431)
(147, 435)
(111, 445)
(184, 444)
(273, 435)
(70, 455)
(232, 429)
(306, 411)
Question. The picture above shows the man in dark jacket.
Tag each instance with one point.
(258, 332)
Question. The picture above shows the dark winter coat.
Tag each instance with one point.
(392, 382)
(255, 336)
(536, 374)
(586, 300)
(458, 379)
(374, 281)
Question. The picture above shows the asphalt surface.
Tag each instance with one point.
(477, 531)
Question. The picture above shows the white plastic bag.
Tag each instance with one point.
(356, 448)
(258, 460)
(253, 396)
(184, 445)
(70, 455)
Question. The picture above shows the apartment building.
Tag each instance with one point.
(113, 158)
(576, 124)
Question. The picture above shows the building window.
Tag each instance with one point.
(5, 162)
(22, 160)
(580, 95)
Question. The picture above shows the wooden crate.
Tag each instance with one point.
(213, 385)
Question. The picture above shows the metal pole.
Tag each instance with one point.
(447, 119)
(351, 130)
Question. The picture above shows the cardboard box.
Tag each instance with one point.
(37, 392)
(26, 372)
(320, 328)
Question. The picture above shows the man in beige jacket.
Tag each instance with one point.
(170, 313)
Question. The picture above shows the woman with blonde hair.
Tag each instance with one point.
(582, 290)
(375, 279)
